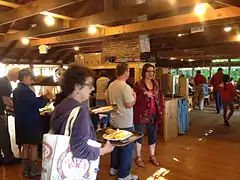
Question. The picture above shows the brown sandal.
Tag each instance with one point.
(154, 161)
(139, 162)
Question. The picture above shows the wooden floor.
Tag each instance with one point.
(209, 151)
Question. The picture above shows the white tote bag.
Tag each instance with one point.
(58, 162)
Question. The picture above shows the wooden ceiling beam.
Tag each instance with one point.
(175, 23)
(150, 7)
(9, 4)
(33, 8)
(58, 16)
(229, 2)
(110, 16)
(14, 5)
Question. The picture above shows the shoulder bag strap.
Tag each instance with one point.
(70, 122)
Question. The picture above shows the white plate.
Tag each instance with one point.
(109, 139)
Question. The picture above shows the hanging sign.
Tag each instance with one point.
(197, 29)
(43, 49)
(144, 43)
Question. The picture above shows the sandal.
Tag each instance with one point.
(154, 161)
(139, 162)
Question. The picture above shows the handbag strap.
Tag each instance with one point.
(71, 120)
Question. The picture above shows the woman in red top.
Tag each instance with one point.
(227, 93)
(148, 111)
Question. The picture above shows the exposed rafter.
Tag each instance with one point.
(33, 8)
(175, 23)
(111, 15)
(9, 4)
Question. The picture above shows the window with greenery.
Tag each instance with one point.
(219, 60)
(204, 70)
(174, 71)
(225, 70)
(187, 72)
(235, 60)
(235, 73)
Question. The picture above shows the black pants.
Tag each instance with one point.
(5, 142)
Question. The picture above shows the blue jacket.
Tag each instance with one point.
(26, 110)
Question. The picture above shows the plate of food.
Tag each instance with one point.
(103, 109)
(116, 135)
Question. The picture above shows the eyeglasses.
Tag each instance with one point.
(151, 71)
(90, 86)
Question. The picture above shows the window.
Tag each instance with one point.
(219, 60)
(187, 72)
(235, 73)
(225, 70)
(204, 70)
(173, 71)
(235, 60)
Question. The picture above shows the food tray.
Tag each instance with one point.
(136, 135)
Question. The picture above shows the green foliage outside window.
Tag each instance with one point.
(187, 72)
(235, 60)
(219, 60)
(174, 71)
(235, 73)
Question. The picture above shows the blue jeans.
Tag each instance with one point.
(104, 120)
(218, 101)
(152, 132)
(121, 159)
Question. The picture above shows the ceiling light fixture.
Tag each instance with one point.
(92, 30)
(49, 20)
(76, 48)
(172, 58)
(190, 60)
(227, 29)
(181, 59)
(179, 35)
(25, 41)
(238, 37)
(200, 9)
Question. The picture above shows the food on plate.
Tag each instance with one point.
(116, 134)
(48, 108)
(102, 109)
(109, 131)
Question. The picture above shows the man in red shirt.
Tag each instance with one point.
(216, 80)
(198, 97)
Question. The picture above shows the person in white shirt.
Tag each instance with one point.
(101, 87)
(121, 94)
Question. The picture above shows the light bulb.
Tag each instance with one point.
(76, 48)
(49, 20)
(25, 41)
(92, 30)
(227, 29)
(238, 37)
(200, 9)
